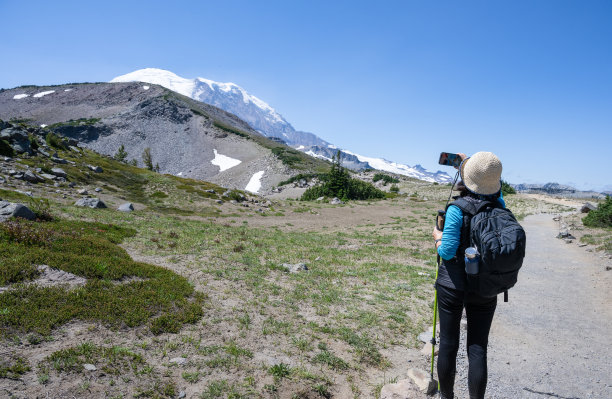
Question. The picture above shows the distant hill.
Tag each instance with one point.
(557, 190)
(186, 137)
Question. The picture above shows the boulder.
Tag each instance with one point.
(47, 176)
(59, 172)
(59, 160)
(12, 210)
(98, 190)
(587, 207)
(127, 207)
(90, 203)
(32, 177)
(336, 201)
(298, 267)
(178, 360)
(95, 169)
(403, 389)
(89, 367)
(82, 192)
(423, 380)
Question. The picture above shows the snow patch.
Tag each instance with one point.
(301, 147)
(314, 154)
(146, 87)
(43, 93)
(224, 162)
(20, 96)
(255, 183)
(333, 147)
(43, 125)
(67, 89)
(179, 174)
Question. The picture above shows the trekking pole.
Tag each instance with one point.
(435, 320)
(440, 227)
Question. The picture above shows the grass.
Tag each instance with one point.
(13, 367)
(159, 298)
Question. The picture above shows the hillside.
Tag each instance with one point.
(186, 137)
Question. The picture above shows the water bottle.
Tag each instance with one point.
(472, 257)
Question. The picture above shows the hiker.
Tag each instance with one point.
(480, 181)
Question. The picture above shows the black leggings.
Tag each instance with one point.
(479, 311)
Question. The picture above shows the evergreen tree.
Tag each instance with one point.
(121, 154)
(147, 159)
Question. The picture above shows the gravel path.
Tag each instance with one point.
(553, 338)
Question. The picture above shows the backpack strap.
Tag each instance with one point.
(473, 207)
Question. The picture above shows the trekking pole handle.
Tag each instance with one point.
(440, 220)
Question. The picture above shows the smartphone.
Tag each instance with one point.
(450, 159)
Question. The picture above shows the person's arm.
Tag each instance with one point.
(449, 239)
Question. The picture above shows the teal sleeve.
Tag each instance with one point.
(452, 233)
(501, 199)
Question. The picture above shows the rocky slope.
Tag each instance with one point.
(557, 189)
(185, 137)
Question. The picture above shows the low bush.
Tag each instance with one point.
(157, 297)
(338, 183)
(6, 149)
(506, 188)
(385, 178)
(600, 217)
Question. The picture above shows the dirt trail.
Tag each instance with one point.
(552, 339)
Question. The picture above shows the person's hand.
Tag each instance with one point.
(437, 234)
(463, 156)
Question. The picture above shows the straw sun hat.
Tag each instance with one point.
(481, 173)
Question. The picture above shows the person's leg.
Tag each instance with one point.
(450, 307)
(479, 313)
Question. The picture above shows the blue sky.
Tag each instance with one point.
(403, 80)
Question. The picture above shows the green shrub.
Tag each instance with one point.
(6, 149)
(338, 183)
(394, 189)
(507, 188)
(230, 129)
(385, 178)
(600, 217)
(121, 154)
(53, 140)
(158, 297)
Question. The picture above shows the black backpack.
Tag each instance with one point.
(500, 240)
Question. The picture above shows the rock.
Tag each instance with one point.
(31, 177)
(43, 152)
(71, 184)
(181, 395)
(47, 176)
(89, 367)
(587, 207)
(127, 207)
(608, 268)
(59, 172)
(12, 210)
(83, 192)
(320, 198)
(425, 336)
(90, 202)
(98, 190)
(210, 191)
(219, 201)
(403, 389)
(298, 267)
(565, 235)
(74, 148)
(426, 350)
(422, 380)
(58, 160)
(336, 201)
(95, 169)
(178, 360)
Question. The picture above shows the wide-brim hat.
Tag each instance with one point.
(481, 173)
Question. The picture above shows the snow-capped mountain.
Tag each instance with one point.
(263, 118)
(229, 97)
